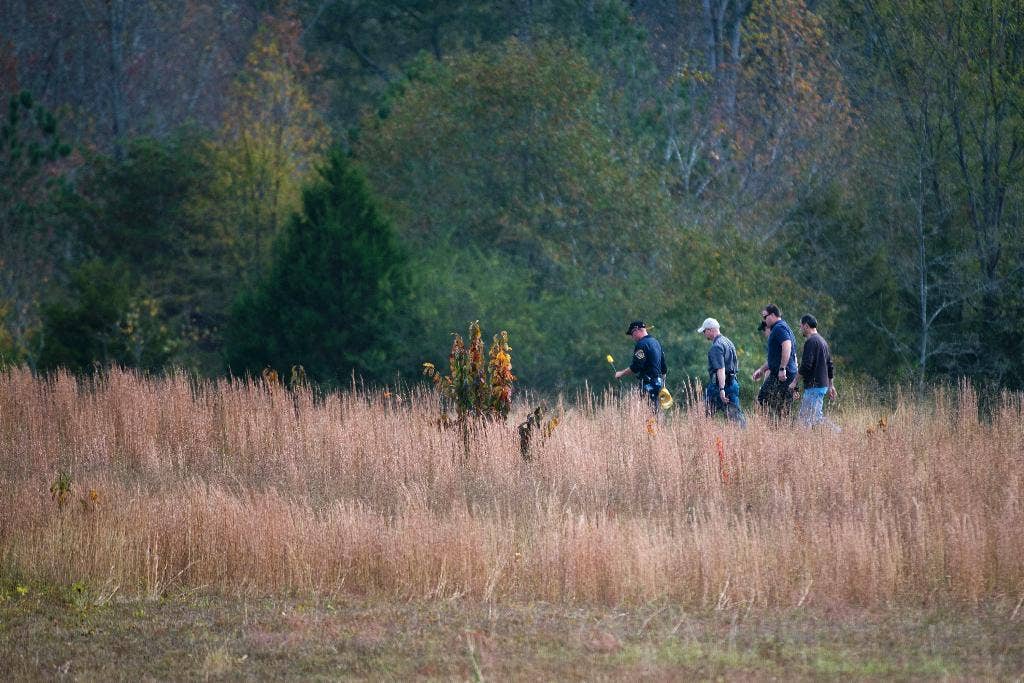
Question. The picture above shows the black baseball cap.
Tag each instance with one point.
(636, 324)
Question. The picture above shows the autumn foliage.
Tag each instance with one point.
(473, 388)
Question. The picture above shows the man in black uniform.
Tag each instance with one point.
(648, 362)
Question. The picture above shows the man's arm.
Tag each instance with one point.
(760, 371)
(720, 377)
(787, 348)
(635, 366)
(832, 393)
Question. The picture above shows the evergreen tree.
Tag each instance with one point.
(102, 317)
(330, 301)
(147, 211)
(34, 159)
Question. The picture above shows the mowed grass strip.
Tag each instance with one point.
(43, 634)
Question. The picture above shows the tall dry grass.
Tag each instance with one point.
(247, 489)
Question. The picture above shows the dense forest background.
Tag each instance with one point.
(231, 185)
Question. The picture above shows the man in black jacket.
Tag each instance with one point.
(818, 373)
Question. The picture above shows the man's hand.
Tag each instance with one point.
(757, 374)
(782, 374)
(721, 394)
(832, 394)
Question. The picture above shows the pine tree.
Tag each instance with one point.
(101, 316)
(34, 159)
(330, 301)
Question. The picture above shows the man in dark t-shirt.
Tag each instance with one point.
(779, 369)
(818, 373)
(648, 362)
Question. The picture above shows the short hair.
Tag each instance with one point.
(772, 309)
(810, 321)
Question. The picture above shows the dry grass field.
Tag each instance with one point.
(131, 491)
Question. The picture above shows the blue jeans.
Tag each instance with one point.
(811, 407)
(732, 409)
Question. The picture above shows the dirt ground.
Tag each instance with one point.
(73, 632)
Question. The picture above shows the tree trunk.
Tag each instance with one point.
(116, 23)
(523, 21)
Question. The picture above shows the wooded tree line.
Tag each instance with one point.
(340, 184)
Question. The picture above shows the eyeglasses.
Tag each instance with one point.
(764, 316)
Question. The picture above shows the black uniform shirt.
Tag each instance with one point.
(648, 359)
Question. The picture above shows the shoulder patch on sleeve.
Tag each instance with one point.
(640, 355)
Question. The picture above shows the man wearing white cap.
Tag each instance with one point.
(723, 391)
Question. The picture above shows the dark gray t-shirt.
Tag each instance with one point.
(722, 354)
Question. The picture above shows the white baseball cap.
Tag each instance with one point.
(709, 324)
